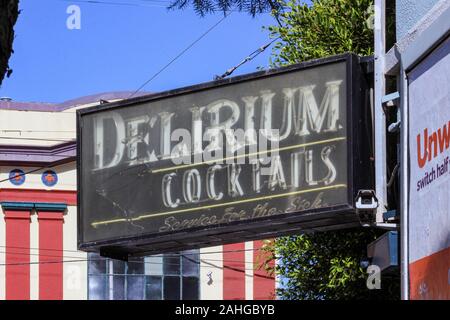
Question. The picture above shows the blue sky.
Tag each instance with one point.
(120, 47)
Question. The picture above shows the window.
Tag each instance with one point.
(190, 263)
(137, 267)
(171, 264)
(172, 288)
(190, 288)
(171, 276)
(97, 290)
(153, 288)
(135, 287)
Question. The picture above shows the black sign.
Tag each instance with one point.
(250, 157)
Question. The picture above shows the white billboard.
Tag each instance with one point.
(429, 190)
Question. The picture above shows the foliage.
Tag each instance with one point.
(203, 7)
(326, 27)
(9, 10)
(324, 265)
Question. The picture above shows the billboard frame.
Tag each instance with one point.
(359, 131)
(416, 52)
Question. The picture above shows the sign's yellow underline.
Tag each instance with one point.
(183, 166)
(274, 196)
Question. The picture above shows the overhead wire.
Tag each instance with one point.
(25, 173)
(208, 264)
(150, 4)
(166, 254)
(78, 259)
(104, 259)
(141, 3)
(226, 15)
(81, 259)
(250, 57)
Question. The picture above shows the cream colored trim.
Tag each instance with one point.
(211, 289)
(249, 270)
(2, 255)
(34, 257)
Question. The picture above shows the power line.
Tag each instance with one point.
(234, 269)
(206, 261)
(78, 259)
(250, 57)
(39, 254)
(145, 4)
(149, 5)
(160, 1)
(42, 262)
(103, 259)
(198, 262)
(165, 1)
(25, 173)
(166, 254)
(44, 249)
(33, 170)
(180, 54)
(237, 269)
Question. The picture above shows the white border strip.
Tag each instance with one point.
(249, 270)
(34, 256)
(427, 40)
(2, 255)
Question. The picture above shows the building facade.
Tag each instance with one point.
(38, 226)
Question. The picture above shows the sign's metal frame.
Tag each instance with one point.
(360, 175)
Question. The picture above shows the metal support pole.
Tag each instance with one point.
(379, 117)
(404, 184)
